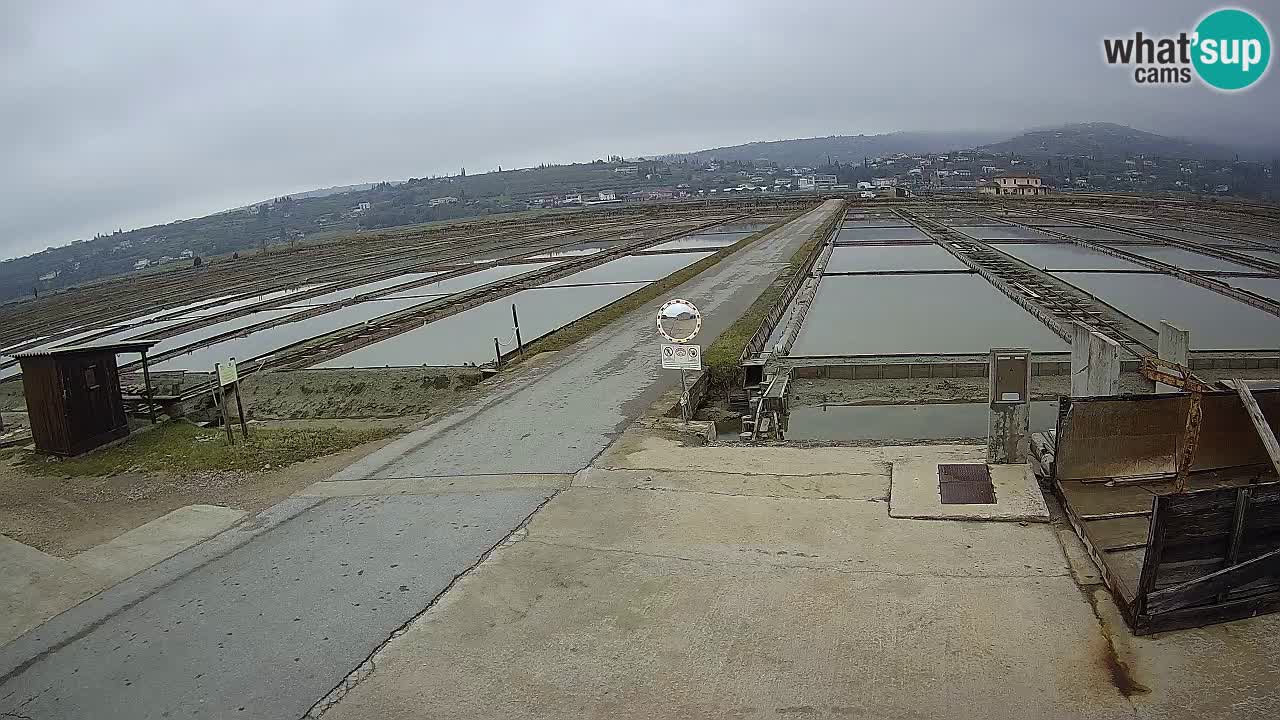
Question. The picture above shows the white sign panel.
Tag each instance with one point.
(227, 372)
(681, 357)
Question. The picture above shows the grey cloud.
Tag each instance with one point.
(131, 113)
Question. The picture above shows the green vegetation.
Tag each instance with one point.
(182, 448)
(721, 359)
(581, 328)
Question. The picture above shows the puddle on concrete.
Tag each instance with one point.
(1187, 259)
(1001, 232)
(892, 257)
(1065, 256)
(468, 336)
(916, 314)
(859, 234)
(903, 422)
(1216, 322)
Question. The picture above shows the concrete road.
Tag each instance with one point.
(266, 619)
(770, 582)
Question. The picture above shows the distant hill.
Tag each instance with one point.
(812, 152)
(1104, 141)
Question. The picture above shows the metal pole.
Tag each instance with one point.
(516, 319)
(244, 426)
(684, 399)
(497, 353)
(146, 380)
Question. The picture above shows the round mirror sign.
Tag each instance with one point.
(679, 321)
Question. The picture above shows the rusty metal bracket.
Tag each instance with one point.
(1172, 374)
(1181, 377)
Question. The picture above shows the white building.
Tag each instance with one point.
(442, 201)
(627, 170)
(816, 182)
(1018, 185)
(141, 264)
(608, 196)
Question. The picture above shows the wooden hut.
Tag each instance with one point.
(73, 395)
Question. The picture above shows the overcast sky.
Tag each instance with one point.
(122, 114)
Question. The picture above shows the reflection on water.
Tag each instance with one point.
(916, 314)
(1186, 259)
(468, 336)
(892, 257)
(1216, 322)
(903, 422)
(1065, 256)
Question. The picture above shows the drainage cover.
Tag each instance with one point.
(966, 484)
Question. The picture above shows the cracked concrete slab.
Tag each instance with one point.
(669, 638)
(273, 623)
(37, 586)
(719, 592)
(844, 486)
(847, 536)
(164, 537)
(914, 494)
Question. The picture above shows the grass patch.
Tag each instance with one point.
(721, 359)
(589, 324)
(182, 448)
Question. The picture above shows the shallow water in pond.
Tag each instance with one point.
(1216, 322)
(903, 422)
(916, 314)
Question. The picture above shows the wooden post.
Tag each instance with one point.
(222, 396)
(146, 381)
(1260, 423)
(244, 426)
(516, 319)
(497, 354)
(1173, 345)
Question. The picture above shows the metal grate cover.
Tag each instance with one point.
(966, 484)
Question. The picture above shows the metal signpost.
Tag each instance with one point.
(229, 376)
(679, 322)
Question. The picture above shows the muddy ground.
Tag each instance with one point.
(64, 515)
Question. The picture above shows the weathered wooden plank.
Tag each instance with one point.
(1260, 423)
(1198, 616)
(1203, 588)
(1237, 527)
(1155, 548)
(1115, 515)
